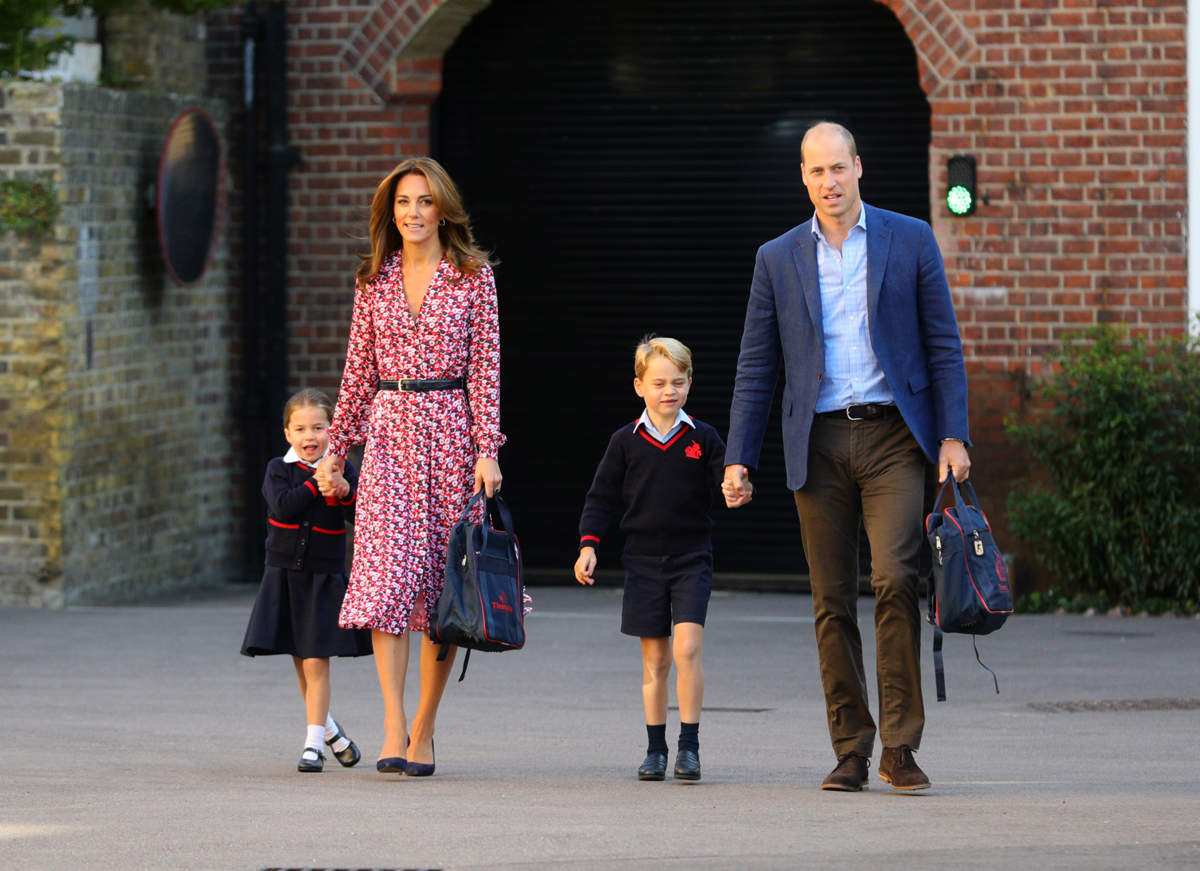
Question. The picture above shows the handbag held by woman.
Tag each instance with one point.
(482, 601)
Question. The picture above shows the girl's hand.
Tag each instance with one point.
(585, 565)
(487, 476)
(326, 469)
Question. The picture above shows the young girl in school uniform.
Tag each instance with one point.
(296, 610)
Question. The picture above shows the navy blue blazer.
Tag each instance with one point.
(913, 332)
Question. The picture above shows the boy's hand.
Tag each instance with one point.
(736, 488)
(734, 498)
(585, 565)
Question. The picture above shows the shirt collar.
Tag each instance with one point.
(682, 417)
(861, 222)
(292, 457)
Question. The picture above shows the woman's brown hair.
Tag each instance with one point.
(455, 235)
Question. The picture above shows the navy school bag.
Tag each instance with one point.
(969, 591)
(482, 606)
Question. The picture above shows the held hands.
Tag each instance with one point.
(736, 488)
(953, 456)
(329, 477)
(487, 476)
(334, 485)
(585, 565)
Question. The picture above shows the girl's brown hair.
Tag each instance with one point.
(305, 398)
(455, 235)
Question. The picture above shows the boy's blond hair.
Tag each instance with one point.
(661, 346)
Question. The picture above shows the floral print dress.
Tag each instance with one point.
(419, 461)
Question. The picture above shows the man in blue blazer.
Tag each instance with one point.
(854, 304)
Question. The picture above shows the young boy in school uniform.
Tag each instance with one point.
(658, 476)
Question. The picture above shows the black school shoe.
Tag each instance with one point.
(687, 765)
(653, 767)
(348, 757)
(309, 763)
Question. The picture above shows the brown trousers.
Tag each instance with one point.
(875, 470)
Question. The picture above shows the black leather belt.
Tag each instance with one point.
(422, 385)
(862, 412)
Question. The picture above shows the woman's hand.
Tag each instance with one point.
(487, 476)
(326, 470)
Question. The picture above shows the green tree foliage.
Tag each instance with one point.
(27, 206)
(21, 50)
(1118, 447)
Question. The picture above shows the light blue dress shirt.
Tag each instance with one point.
(852, 372)
(681, 421)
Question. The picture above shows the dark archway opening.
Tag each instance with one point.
(625, 160)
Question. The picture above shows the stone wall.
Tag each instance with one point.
(116, 408)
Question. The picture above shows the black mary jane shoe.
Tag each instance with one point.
(687, 765)
(653, 767)
(348, 757)
(311, 760)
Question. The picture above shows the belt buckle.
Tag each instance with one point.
(848, 415)
(400, 385)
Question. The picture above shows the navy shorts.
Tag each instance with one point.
(663, 590)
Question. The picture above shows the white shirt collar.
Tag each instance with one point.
(292, 457)
(681, 417)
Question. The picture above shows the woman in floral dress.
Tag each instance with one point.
(425, 310)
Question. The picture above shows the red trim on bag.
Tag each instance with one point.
(274, 522)
(967, 563)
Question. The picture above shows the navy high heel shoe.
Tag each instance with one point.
(392, 764)
(422, 769)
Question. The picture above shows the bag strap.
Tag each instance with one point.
(444, 651)
(939, 666)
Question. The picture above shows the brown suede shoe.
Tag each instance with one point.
(897, 767)
(850, 775)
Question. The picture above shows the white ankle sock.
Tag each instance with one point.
(330, 730)
(316, 737)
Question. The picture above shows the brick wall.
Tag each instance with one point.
(1077, 116)
(115, 384)
(1075, 111)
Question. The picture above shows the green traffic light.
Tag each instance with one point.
(958, 200)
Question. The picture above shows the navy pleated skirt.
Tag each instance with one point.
(297, 613)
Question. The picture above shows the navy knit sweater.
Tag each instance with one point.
(305, 534)
(662, 493)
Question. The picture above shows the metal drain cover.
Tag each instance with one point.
(1117, 705)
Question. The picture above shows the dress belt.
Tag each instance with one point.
(422, 385)
(862, 412)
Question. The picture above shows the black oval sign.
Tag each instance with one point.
(189, 195)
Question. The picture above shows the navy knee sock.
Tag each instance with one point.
(658, 738)
(689, 737)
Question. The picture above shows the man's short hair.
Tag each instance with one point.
(838, 128)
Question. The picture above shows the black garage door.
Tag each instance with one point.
(624, 160)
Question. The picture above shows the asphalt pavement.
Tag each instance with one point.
(140, 739)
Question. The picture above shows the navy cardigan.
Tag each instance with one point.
(304, 533)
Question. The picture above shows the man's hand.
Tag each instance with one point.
(953, 457)
(736, 488)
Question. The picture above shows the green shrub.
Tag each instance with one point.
(21, 50)
(27, 206)
(1118, 444)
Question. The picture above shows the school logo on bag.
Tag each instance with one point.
(693, 451)
(502, 605)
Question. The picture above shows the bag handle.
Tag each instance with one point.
(496, 502)
(967, 487)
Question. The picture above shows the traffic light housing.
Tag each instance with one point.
(960, 185)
